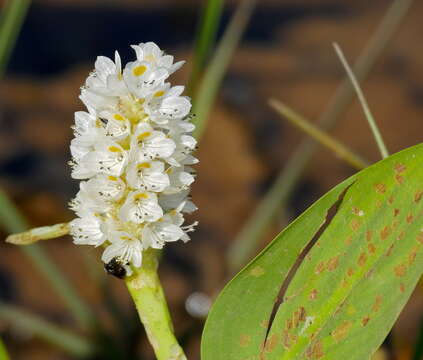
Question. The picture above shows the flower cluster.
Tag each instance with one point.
(133, 149)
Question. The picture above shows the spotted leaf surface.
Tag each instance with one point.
(334, 281)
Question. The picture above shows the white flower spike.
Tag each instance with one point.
(132, 148)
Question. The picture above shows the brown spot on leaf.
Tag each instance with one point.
(299, 316)
(285, 340)
(399, 168)
(420, 238)
(400, 235)
(244, 340)
(365, 320)
(400, 270)
(313, 294)
(389, 251)
(369, 273)
(355, 224)
(396, 212)
(264, 324)
(289, 324)
(350, 272)
(257, 271)
(348, 241)
(371, 247)
(377, 303)
(402, 287)
(418, 196)
(341, 331)
(391, 200)
(362, 259)
(369, 235)
(399, 179)
(315, 350)
(320, 267)
(380, 188)
(410, 218)
(412, 255)
(271, 343)
(333, 263)
(385, 232)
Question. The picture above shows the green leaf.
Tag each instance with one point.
(344, 270)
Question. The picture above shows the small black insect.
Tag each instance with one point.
(116, 267)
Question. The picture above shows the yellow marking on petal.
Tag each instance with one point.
(172, 212)
(169, 170)
(141, 196)
(144, 135)
(114, 149)
(141, 101)
(112, 178)
(125, 238)
(118, 117)
(159, 93)
(144, 165)
(139, 70)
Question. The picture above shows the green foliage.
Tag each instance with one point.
(3, 352)
(205, 38)
(343, 271)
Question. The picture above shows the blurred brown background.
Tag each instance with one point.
(286, 53)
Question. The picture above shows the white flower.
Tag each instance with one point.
(141, 207)
(133, 147)
(151, 53)
(148, 176)
(167, 104)
(87, 230)
(108, 157)
(156, 234)
(152, 144)
(124, 247)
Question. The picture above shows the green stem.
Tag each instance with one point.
(53, 334)
(12, 18)
(320, 136)
(369, 116)
(147, 293)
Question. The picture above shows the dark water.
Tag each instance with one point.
(55, 38)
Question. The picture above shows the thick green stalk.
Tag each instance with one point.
(146, 291)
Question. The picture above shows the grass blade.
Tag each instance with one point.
(12, 18)
(216, 70)
(371, 120)
(53, 334)
(320, 136)
(205, 38)
(3, 351)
